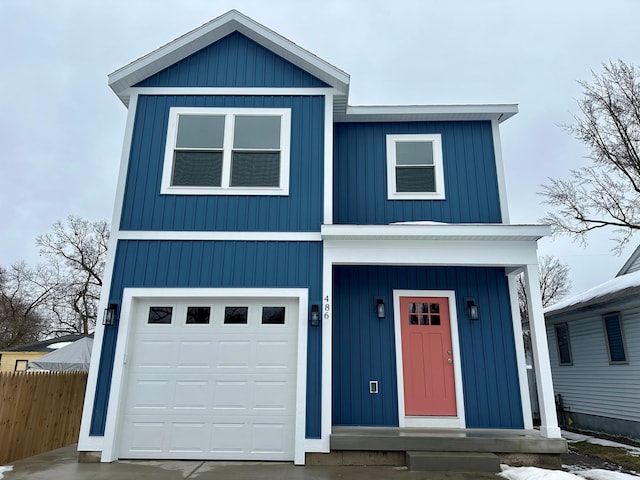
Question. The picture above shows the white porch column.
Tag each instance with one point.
(542, 365)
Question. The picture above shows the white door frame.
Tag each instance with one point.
(116, 394)
(429, 421)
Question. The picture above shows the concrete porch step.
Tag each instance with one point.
(453, 462)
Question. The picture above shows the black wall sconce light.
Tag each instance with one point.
(379, 307)
(315, 315)
(472, 310)
(110, 314)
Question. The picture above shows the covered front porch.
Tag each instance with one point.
(443, 258)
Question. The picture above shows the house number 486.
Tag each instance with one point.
(326, 308)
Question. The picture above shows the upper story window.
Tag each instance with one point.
(414, 167)
(220, 151)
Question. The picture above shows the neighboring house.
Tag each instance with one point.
(16, 359)
(594, 344)
(282, 265)
(71, 358)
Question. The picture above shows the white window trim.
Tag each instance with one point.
(436, 140)
(285, 149)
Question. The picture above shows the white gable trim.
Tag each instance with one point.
(502, 184)
(211, 32)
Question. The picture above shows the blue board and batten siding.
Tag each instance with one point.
(215, 264)
(360, 175)
(233, 61)
(144, 208)
(364, 346)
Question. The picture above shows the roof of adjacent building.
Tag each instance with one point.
(126, 77)
(623, 288)
(47, 345)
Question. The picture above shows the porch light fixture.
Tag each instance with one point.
(109, 314)
(472, 310)
(315, 315)
(380, 307)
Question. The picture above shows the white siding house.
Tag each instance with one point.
(594, 347)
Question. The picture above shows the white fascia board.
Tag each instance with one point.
(209, 33)
(465, 231)
(395, 113)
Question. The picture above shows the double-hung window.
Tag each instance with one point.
(614, 335)
(414, 167)
(221, 151)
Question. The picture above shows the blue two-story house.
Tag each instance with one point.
(283, 265)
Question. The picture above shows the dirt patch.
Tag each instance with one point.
(612, 456)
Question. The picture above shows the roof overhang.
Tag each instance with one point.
(416, 113)
(233, 21)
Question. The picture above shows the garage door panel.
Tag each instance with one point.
(210, 391)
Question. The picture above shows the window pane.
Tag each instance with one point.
(614, 337)
(160, 315)
(435, 319)
(415, 179)
(564, 348)
(236, 315)
(414, 153)
(257, 132)
(200, 131)
(273, 315)
(197, 169)
(198, 315)
(413, 319)
(255, 169)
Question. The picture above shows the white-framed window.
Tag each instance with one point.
(614, 335)
(564, 344)
(227, 151)
(414, 167)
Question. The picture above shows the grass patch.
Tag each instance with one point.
(619, 456)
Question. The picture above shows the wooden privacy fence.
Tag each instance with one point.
(39, 412)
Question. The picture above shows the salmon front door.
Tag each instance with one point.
(427, 357)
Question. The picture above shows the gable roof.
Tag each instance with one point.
(632, 264)
(45, 346)
(233, 21)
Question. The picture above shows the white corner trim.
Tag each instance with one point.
(85, 441)
(116, 395)
(328, 160)
(521, 361)
(436, 142)
(502, 184)
(327, 352)
(459, 421)
(226, 91)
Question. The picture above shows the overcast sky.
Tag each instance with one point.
(62, 127)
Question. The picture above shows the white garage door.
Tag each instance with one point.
(211, 379)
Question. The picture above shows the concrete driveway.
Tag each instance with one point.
(62, 464)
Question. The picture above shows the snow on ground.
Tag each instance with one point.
(5, 469)
(535, 473)
(576, 437)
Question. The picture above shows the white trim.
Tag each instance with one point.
(396, 113)
(216, 235)
(225, 188)
(86, 442)
(327, 351)
(328, 160)
(457, 421)
(114, 414)
(502, 184)
(210, 33)
(521, 360)
(436, 141)
(227, 91)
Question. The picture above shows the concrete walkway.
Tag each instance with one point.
(62, 464)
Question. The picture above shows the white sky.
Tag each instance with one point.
(62, 127)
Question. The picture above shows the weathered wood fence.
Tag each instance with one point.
(39, 412)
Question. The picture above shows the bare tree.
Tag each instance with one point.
(76, 253)
(607, 192)
(23, 293)
(554, 284)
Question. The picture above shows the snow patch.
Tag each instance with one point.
(5, 469)
(535, 473)
(614, 285)
(56, 346)
(577, 437)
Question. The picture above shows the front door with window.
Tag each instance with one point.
(427, 357)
